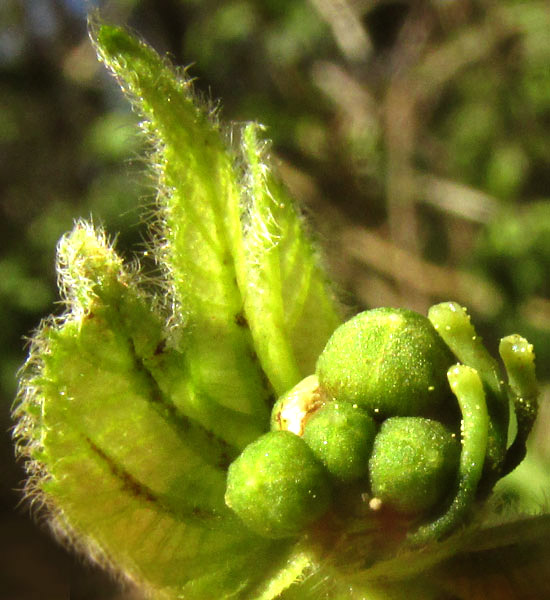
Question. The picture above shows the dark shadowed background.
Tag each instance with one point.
(415, 133)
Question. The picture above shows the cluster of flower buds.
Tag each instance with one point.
(405, 413)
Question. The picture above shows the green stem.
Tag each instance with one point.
(466, 385)
(453, 324)
(519, 359)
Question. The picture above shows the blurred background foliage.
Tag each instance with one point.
(416, 133)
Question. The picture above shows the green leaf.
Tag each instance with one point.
(509, 559)
(244, 270)
(133, 404)
(129, 477)
(199, 224)
(287, 299)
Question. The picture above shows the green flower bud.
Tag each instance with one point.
(389, 361)
(341, 436)
(413, 463)
(277, 486)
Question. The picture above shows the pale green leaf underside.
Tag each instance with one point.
(131, 476)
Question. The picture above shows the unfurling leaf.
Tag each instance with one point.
(134, 402)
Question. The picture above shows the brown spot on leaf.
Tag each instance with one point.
(161, 346)
(240, 320)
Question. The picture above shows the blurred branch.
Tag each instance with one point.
(457, 199)
(424, 277)
(536, 311)
(354, 100)
(444, 62)
(348, 31)
(402, 124)
(401, 127)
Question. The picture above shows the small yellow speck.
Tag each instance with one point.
(375, 504)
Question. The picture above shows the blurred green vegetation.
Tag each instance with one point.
(415, 133)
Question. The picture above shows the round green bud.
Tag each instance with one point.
(390, 361)
(277, 486)
(413, 463)
(341, 436)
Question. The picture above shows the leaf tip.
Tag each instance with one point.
(113, 43)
